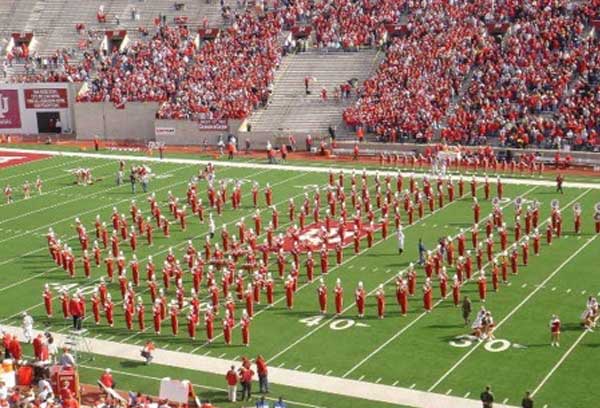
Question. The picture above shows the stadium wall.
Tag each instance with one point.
(135, 121)
(26, 108)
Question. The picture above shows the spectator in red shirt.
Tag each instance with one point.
(107, 379)
(246, 375)
(232, 380)
(261, 368)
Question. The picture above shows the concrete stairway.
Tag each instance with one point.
(291, 110)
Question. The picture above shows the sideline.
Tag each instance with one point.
(245, 165)
(282, 376)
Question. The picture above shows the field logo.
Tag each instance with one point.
(312, 236)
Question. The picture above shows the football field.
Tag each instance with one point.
(394, 359)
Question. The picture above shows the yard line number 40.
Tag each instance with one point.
(336, 324)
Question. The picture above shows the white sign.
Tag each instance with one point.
(164, 131)
(173, 390)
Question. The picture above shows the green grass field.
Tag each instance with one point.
(413, 352)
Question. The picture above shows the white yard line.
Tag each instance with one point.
(14, 284)
(350, 259)
(47, 193)
(422, 315)
(93, 210)
(38, 171)
(513, 311)
(286, 167)
(79, 197)
(559, 363)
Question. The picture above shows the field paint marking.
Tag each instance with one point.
(412, 387)
(583, 292)
(298, 366)
(467, 394)
(512, 312)
(378, 380)
(38, 171)
(105, 206)
(505, 400)
(281, 365)
(559, 363)
(68, 238)
(449, 391)
(110, 338)
(55, 191)
(178, 348)
(395, 383)
(137, 341)
(412, 322)
(78, 198)
(361, 378)
(312, 370)
(284, 167)
(222, 355)
(328, 372)
(208, 352)
(553, 288)
(568, 290)
(524, 285)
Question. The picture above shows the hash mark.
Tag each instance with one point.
(375, 269)
(208, 352)
(568, 290)
(328, 372)
(363, 268)
(137, 341)
(312, 370)
(467, 394)
(221, 356)
(583, 292)
(449, 391)
(178, 348)
(166, 345)
(236, 357)
(298, 366)
(378, 380)
(281, 365)
(388, 271)
(505, 400)
(361, 378)
(395, 383)
(553, 289)
(524, 285)
(412, 387)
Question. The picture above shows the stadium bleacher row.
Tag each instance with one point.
(516, 73)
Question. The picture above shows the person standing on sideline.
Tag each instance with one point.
(487, 398)
(466, 310)
(400, 237)
(527, 402)
(422, 252)
(246, 375)
(232, 381)
(261, 368)
(27, 327)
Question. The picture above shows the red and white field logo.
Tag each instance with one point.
(10, 115)
(8, 159)
(312, 235)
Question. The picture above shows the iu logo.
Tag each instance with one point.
(4, 107)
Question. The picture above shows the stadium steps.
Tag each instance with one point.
(291, 110)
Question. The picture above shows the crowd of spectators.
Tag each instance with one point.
(422, 71)
(532, 82)
(450, 73)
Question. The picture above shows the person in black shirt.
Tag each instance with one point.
(487, 398)
(527, 402)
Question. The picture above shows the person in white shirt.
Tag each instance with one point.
(400, 238)
(44, 389)
(27, 327)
